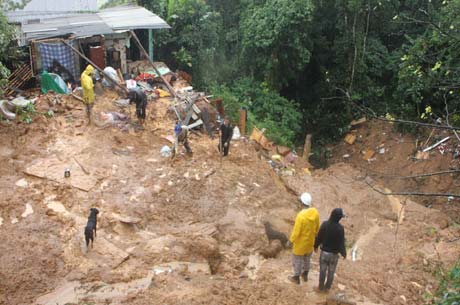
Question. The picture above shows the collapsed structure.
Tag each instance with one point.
(103, 36)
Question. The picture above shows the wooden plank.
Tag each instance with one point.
(207, 126)
(120, 76)
(196, 124)
(196, 109)
(136, 39)
(187, 118)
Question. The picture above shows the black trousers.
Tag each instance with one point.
(225, 148)
(140, 112)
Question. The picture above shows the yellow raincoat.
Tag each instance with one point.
(305, 229)
(87, 85)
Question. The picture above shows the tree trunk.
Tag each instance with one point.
(307, 147)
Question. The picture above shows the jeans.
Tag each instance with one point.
(301, 263)
(327, 264)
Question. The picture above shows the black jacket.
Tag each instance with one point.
(138, 97)
(331, 235)
(227, 133)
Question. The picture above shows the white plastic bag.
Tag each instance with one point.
(165, 151)
(236, 133)
(112, 74)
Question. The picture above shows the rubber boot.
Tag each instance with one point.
(295, 279)
(305, 276)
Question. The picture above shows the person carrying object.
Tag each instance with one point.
(180, 137)
(226, 134)
(137, 96)
(303, 238)
(331, 239)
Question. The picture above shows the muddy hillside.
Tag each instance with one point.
(190, 230)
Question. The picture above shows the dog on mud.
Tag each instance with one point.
(275, 235)
(90, 228)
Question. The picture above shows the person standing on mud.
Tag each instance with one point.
(331, 238)
(180, 136)
(88, 89)
(226, 134)
(138, 97)
(303, 238)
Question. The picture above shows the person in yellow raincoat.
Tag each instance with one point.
(303, 239)
(88, 89)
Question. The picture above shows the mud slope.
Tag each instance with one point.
(187, 231)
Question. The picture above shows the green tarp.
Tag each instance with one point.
(47, 83)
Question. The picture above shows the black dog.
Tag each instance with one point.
(273, 235)
(91, 226)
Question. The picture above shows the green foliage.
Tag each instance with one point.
(194, 42)
(26, 114)
(429, 72)
(275, 39)
(333, 58)
(112, 3)
(9, 5)
(266, 109)
(448, 292)
(183, 59)
(7, 52)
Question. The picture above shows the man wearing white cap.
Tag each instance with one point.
(303, 238)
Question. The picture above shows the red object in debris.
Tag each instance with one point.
(145, 76)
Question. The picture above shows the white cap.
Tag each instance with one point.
(306, 199)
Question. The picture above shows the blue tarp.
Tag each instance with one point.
(60, 52)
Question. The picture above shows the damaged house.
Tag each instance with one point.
(55, 39)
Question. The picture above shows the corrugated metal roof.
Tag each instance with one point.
(60, 5)
(89, 24)
(46, 9)
(132, 17)
(25, 17)
(80, 25)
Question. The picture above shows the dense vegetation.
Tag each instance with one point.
(328, 60)
(448, 292)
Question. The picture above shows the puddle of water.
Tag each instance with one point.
(28, 211)
(356, 253)
(1, 221)
(14, 220)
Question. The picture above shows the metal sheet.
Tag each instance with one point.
(87, 24)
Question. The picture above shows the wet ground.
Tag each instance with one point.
(189, 231)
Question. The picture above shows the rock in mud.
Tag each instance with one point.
(272, 250)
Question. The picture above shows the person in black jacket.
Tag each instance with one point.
(331, 238)
(138, 97)
(226, 134)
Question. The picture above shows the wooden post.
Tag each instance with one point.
(307, 147)
(95, 66)
(151, 44)
(146, 55)
(242, 122)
